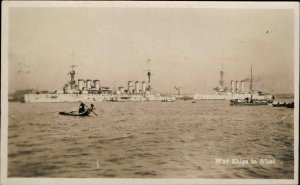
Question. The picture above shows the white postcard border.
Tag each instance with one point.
(129, 4)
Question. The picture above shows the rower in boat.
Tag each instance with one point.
(81, 108)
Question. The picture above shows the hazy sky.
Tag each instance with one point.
(187, 47)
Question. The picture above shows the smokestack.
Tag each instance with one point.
(242, 86)
(88, 84)
(97, 84)
(130, 87)
(232, 86)
(137, 87)
(143, 86)
(237, 84)
(80, 84)
(121, 89)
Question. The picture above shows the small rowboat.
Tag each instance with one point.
(76, 113)
(167, 100)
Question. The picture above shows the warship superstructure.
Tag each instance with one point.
(237, 90)
(92, 91)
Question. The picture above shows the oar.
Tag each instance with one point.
(91, 109)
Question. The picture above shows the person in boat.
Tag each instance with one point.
(81, 108)
(92, 106)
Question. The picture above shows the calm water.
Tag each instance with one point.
(150, 140)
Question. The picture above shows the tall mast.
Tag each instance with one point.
(148, 71)
(251, 80)
(149, 74)
(221, 82)
(72, 73)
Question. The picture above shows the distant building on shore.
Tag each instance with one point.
(18, 96)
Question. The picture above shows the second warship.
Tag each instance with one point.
(237, 90)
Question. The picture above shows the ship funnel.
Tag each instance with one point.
(143, 86)
(88, 84)
(80, 84)
(137, 87)
(237, 85)
(97, 84)
(232, 86)
(130, 87)
(121, 89)
(242, 86)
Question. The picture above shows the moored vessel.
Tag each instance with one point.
(237, 91)
(92, 91)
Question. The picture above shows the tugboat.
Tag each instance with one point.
(290, 105)
(247, 102)
(279, 104)
(283, 104)
(251, 101)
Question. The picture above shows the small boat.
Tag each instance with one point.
(167, 100)
(117, 100)
(187, 98)
(76, 113)
(279, 104)
(248, 103)
(290, 105)
(193, 102)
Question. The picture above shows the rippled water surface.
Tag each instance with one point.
(150, 140)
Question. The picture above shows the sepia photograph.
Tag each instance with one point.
(149, 92)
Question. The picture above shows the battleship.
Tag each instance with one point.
(92, 91)
(236, 91)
